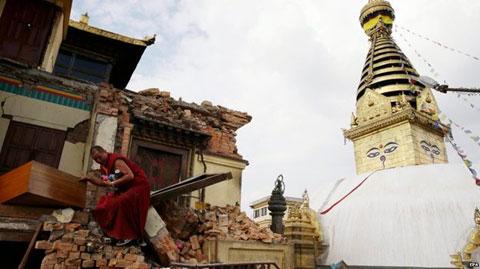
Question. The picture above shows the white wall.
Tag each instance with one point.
(105, 133)
(50, 115)
(41, 113)
(72, 158)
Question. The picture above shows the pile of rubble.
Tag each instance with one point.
(80, 244)
(189, 229)
(219, 123)
(76, 242)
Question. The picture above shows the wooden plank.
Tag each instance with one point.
(15, 182)
(46, 186)
(49, 182)
(188, 185)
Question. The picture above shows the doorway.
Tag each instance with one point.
(163, 165)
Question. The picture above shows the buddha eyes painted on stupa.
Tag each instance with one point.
(429, 148)
(388, 148)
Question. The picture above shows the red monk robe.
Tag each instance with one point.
(122, 215)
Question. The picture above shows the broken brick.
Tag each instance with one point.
(51, 226)
(71, 227)
(131, 257)
(138, 265)
(88, 264)
(80, 241)
(101, 262)
(96, 256)
(64, 246)
(123, 263)
(73, 262)
(82, 233)
(43, 245)
(68, 237)
(112, 262)
(74, 255)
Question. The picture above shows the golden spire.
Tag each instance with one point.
(387, 70)
(391, 102)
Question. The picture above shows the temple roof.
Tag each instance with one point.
(122, 52)
(147, 41)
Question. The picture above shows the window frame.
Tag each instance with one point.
(71, 68)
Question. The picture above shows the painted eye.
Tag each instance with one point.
(373, 152)
(390, 147)
(425, 145)
(435, 150)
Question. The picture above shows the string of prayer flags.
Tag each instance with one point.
(475, 138)
(464, 158)
(431, 69)
(438, 43)
(467, 101)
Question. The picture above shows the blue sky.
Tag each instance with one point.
(294, 66)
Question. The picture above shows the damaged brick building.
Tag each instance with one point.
(62, 90)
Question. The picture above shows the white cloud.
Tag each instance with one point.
(294, 66)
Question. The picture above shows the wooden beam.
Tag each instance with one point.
(30, 246)
(188, 185)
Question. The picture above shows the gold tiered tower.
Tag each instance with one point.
(396, 118)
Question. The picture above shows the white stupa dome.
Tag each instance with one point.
(410, 217)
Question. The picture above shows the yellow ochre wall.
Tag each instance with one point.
(408, 152)
(226, 192)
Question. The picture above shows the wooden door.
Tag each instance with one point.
(25, 27)
(26, 142)
(163, 165)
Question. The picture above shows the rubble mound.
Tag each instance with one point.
(79, 243)
(190, 228)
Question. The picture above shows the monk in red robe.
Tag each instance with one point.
(121, 214)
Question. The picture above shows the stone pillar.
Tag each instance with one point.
(277, 206)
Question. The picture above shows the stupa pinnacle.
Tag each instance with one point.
(396, 117)
(386, 69)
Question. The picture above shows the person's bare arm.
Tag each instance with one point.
(125, 170)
